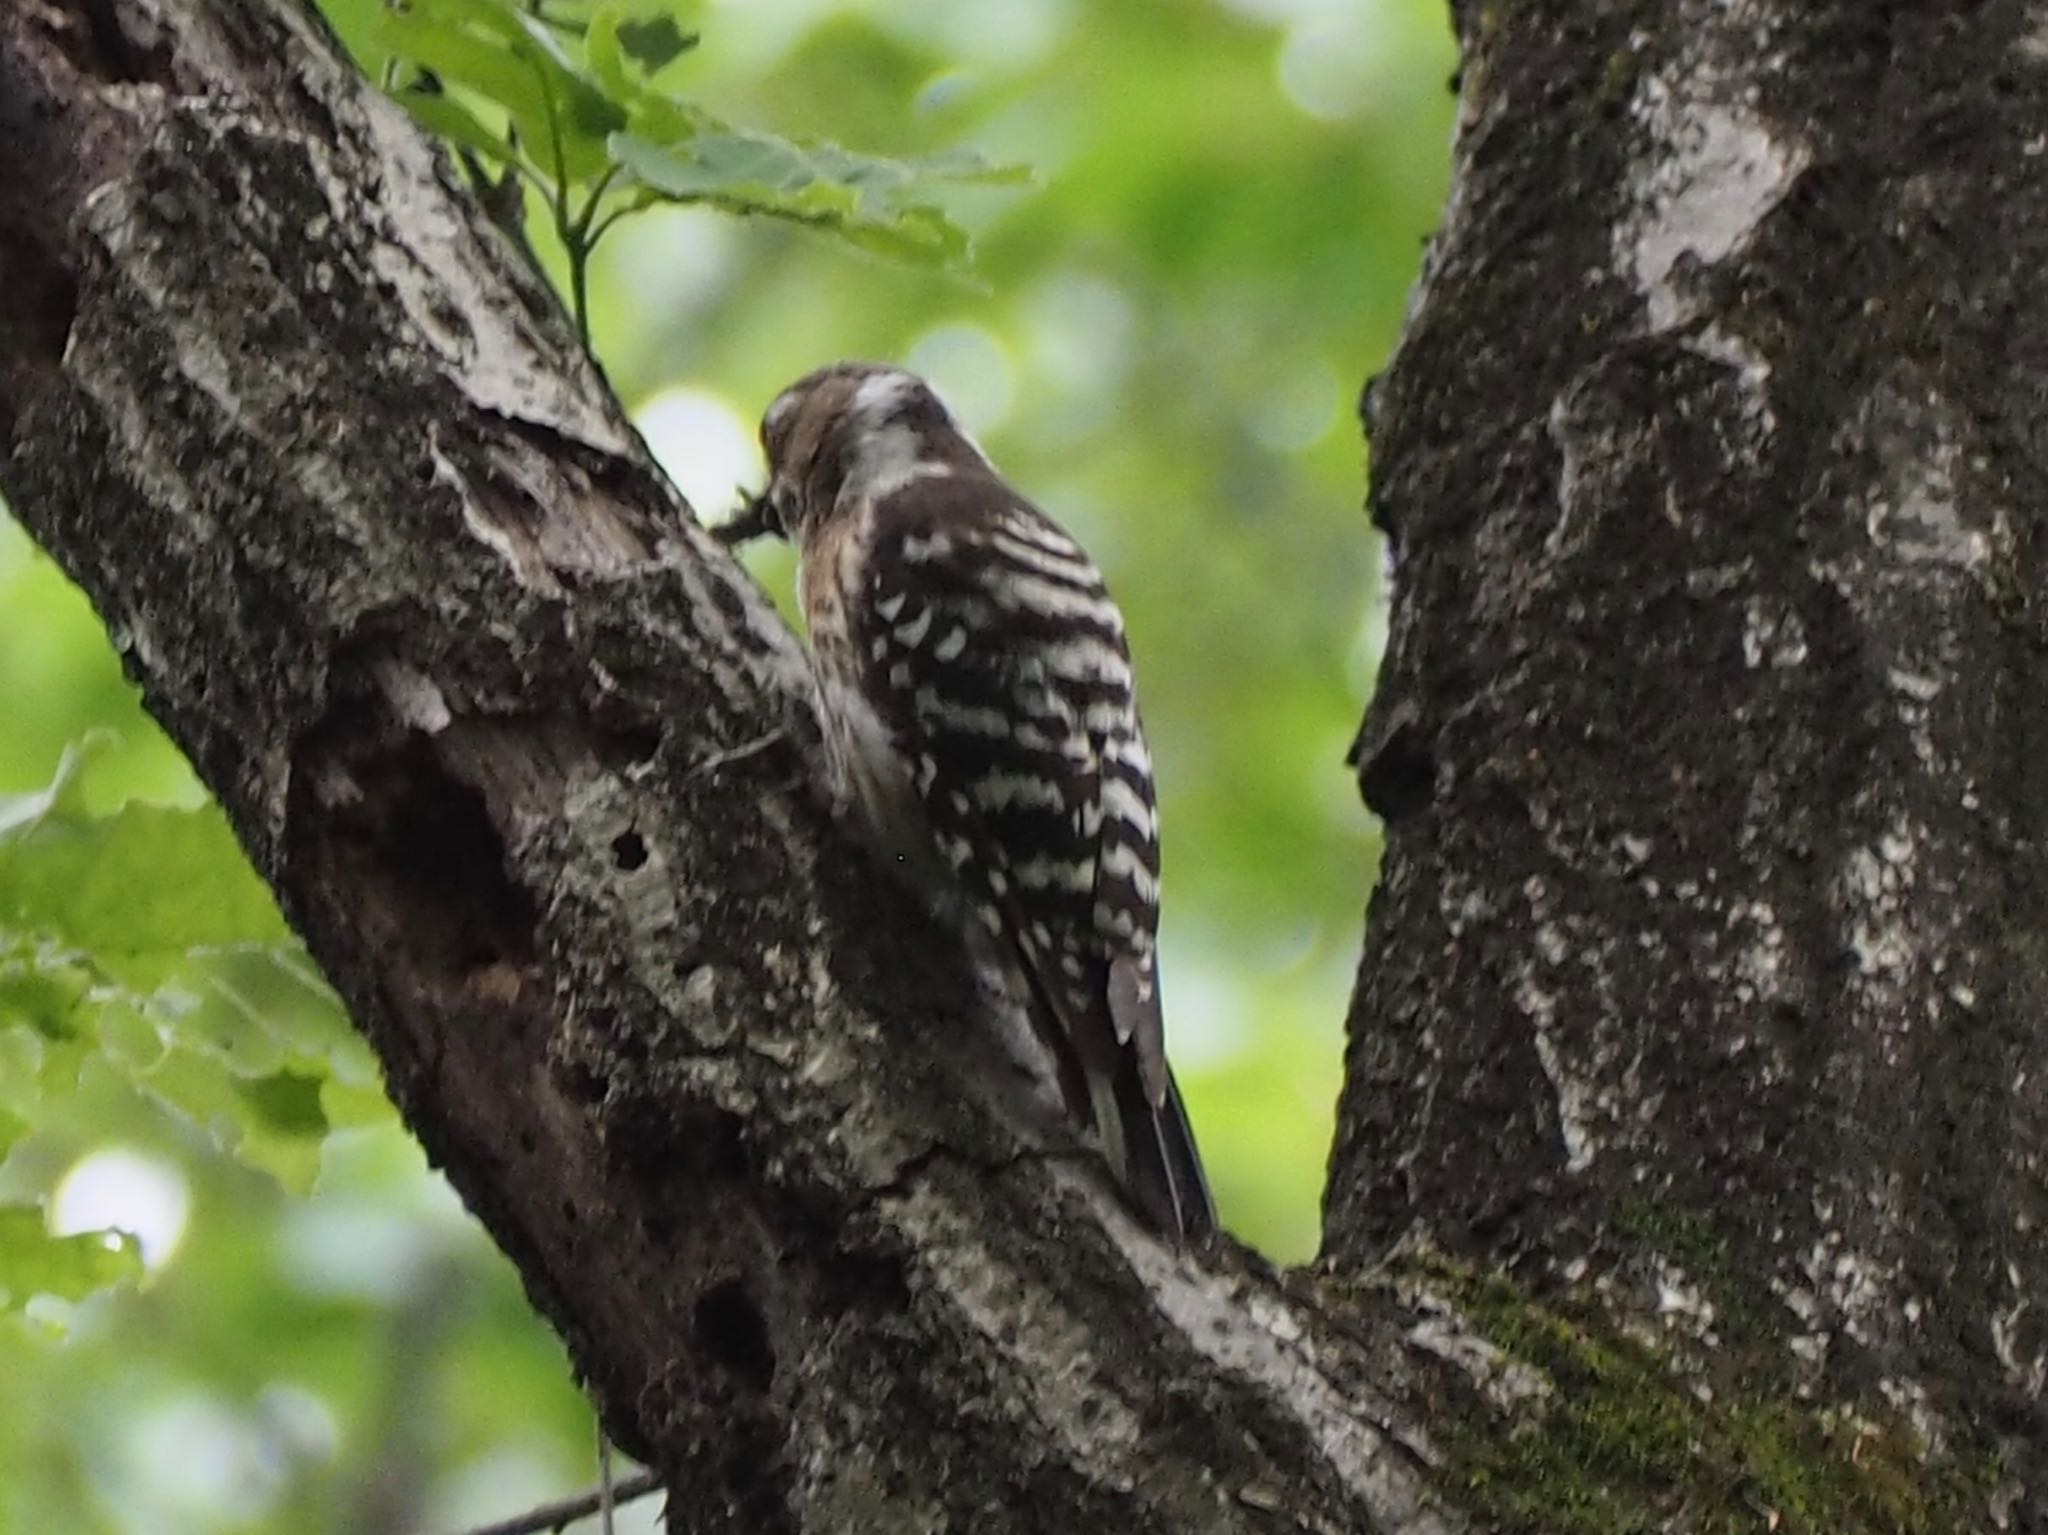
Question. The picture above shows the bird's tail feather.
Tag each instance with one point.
(1150, 1148)
(1154, 1151)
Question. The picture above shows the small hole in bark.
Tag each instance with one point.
(629, 743)
(721, 1149)
(36, 311)
(116, 59)
(728, 1326)
(440, 838)
(629, 850)
(1400, 778)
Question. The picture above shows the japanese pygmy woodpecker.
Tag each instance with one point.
(976, 698)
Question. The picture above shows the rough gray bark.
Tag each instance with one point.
(524, 755)
(1706, 965)
(1703, 930)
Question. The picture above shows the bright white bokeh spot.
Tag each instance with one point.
(705, 446)
(971, 371)
(197, 1463)
(1337, 67)
(120, 1189)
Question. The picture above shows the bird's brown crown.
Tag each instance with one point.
(851, 432)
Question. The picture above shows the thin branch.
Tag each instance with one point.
(555, 1516)
(589, 213)
(639, 204)
(579, 291)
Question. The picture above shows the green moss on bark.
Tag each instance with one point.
(1625, 1442)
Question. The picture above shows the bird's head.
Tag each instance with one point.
(850, 433)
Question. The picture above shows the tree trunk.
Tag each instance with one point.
(1687, 1174)
(1704, 973)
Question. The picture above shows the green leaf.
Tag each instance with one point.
(287, 1102)
(709, 164)
(350, 1105)
(192, 993)
(36, 1065)
(456, 55)
(260, 1124)
(130, 1038)
(33, 1262)
(135, 890)
(656, 42)
(586, 114)
(582, 106)
(513, 61)
(41, 988)
(873, 202)
(440, 113)
(21, 1070)
(274, 993)
(961, 167)
(240, 1041)
(20, 813)
(627, 44)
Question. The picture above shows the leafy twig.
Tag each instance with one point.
(639, 204)
(611, 141)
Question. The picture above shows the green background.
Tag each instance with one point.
(1162, 341)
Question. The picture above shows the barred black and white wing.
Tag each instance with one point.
(993, 656)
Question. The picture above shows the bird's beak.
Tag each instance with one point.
(753, 520)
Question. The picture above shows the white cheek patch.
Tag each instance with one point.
(889, 458)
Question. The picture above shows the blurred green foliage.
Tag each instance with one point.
(1162, 341)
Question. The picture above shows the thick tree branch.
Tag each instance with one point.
(526, 757)
(1689, 1163)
